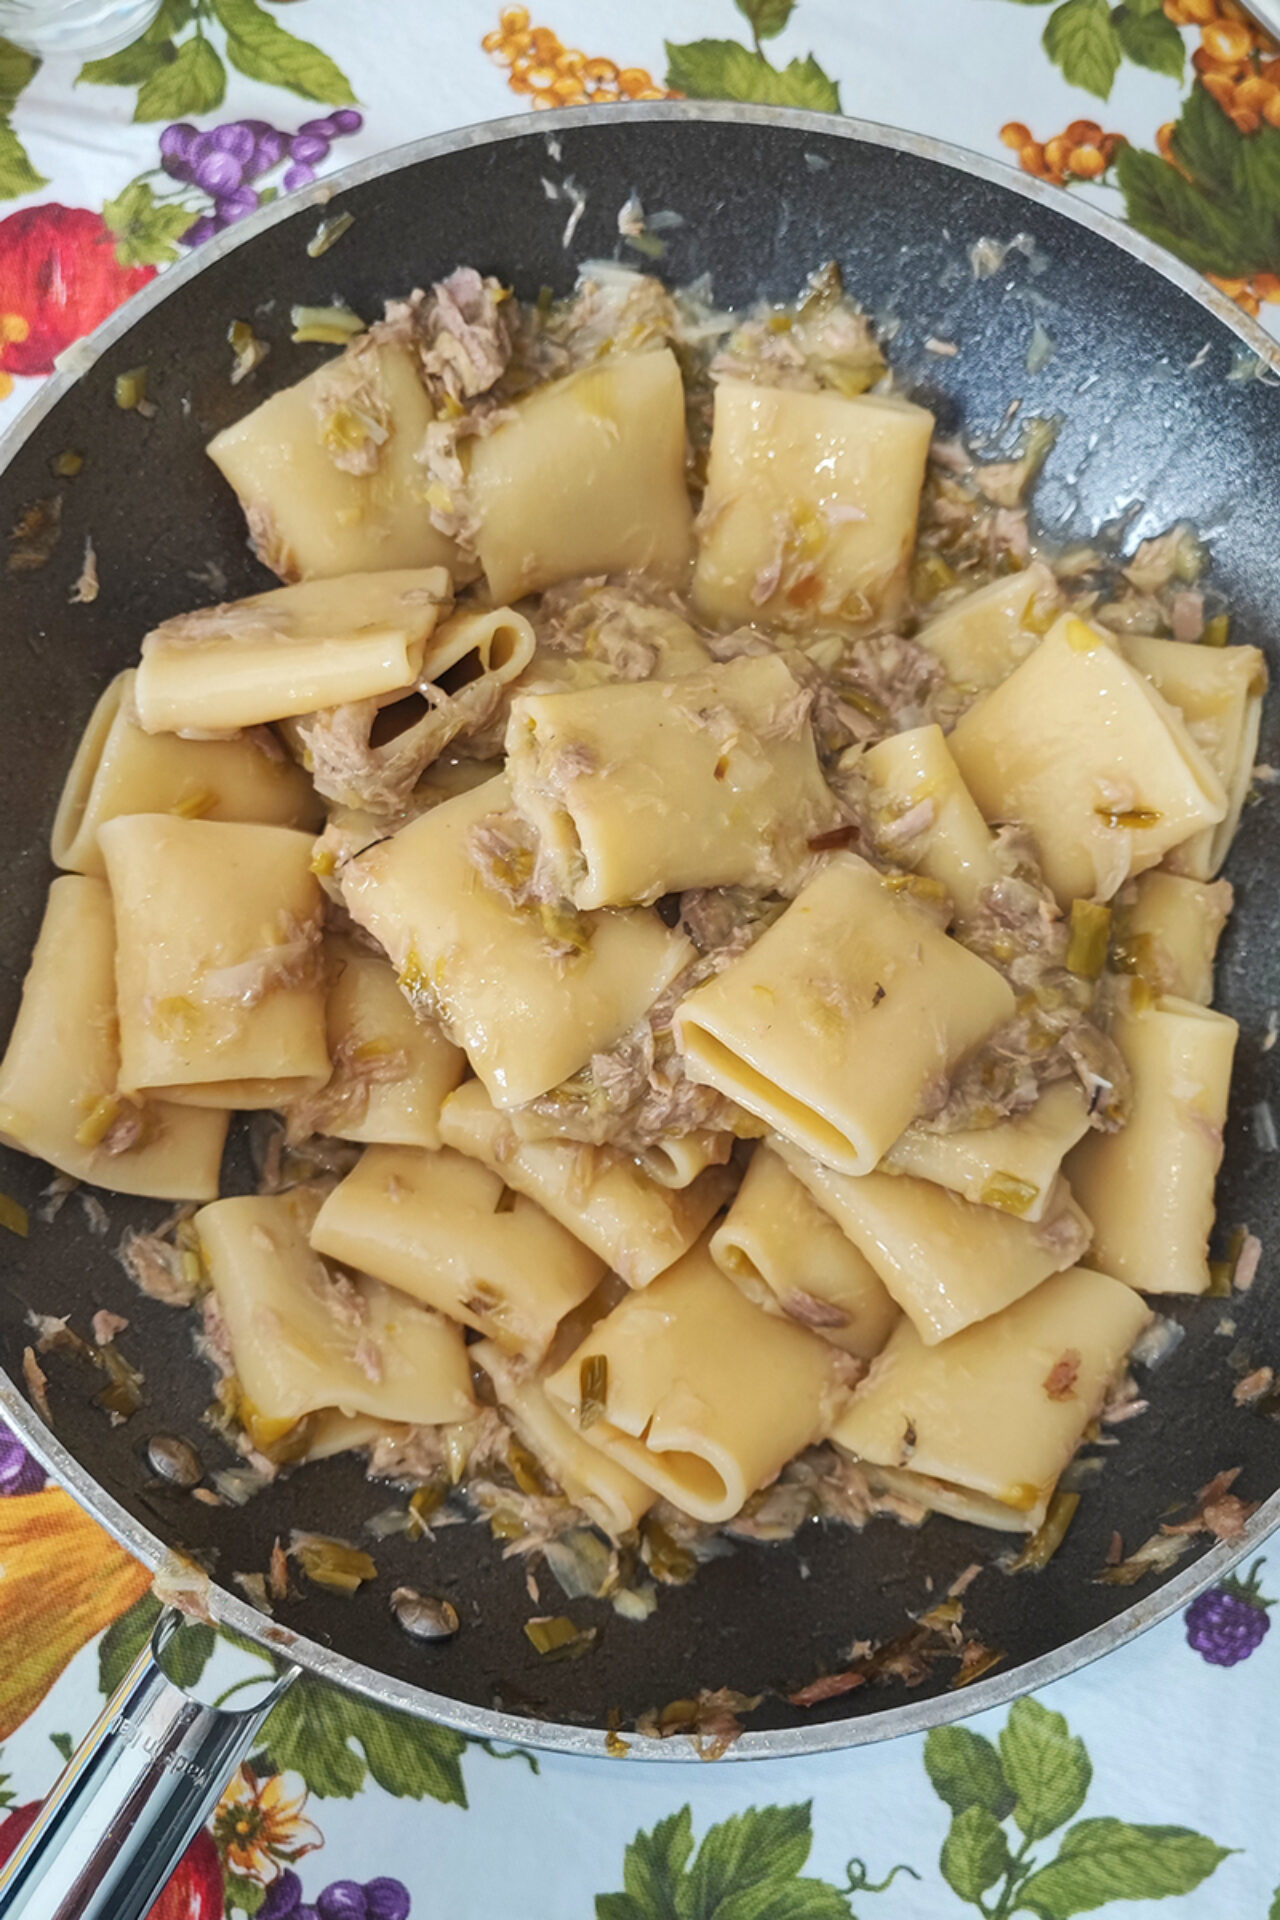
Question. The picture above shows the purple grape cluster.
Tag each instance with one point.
(225, 161)
(1230, 1621)
(19, 1473)
(381, 1899)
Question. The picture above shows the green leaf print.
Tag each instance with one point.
(1081, 39)
(1103, 1860)
(142, 57)
(1150, 39)
(187, 1656)
(767, 17)
(724, 70)
(747, 1868)
(177, 77)
(1273, 1911)
(1040, 1776)
(965, 1771)
(243, 1896)
(18, 69)
(315, 1730)
(1048, 1769)
(1225, 218)
(17, 175)
(147, 230)
(975, 1853)
(265, 51)
(1170, 210)
(194, 81)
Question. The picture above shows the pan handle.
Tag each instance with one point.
(131, 1798)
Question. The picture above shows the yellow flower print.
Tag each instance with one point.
(259, 1825)
(553, 75)
(59, 1568)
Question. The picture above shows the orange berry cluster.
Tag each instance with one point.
(1249, 294)
(554, 75)
(1238, 61)
(1082, 152)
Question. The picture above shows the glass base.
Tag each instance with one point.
(85, 28)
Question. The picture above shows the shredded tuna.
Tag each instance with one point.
(155, 1266)
(291, 962)
(1176, 555)
(1060, 1382)
(343, 1101)
(106, 1325)
(1247, 1260)
(352, 409)
(810, 1311)
(37, 1384)
(1254, 1386)
(267, 543)
(1186, 615)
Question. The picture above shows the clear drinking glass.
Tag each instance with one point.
(85, 28)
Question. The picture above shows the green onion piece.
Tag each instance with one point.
(250, 352)
(123, 1395)
(669, 1562)
(1049, 1535)
(131, 389)
(423, 1504)
(327, 233)
(525, 1471)
(930, 576)
(593, 1389)
(331, 1563)
(333, 326)
(14, 1216)
(557, 1637)
(614, 1745)
(1216, 631)
(67, 465)
(1135, 953)
(505, 1525)
(1011, 1195)
(1090, 934)
(1220, 1277)
(1133, 818)
(874, 709)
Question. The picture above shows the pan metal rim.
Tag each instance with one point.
(911, 1716)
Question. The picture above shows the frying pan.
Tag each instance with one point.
(1160, 422)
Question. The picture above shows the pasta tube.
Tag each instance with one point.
(696, 1391)
(60, 1072)
(446, 1230)
(1166, 930)
(810, 509)
(288, 651)
(1149, 1188)
(607, 1493)
(328, 474)
(119, 768)
(946, 1262)
(835, 1023)
(788, 1255)
(219, 987)
(392, 1070)
(1080, 748)
(927, 818)
(588, 478)
(647, 788)
(1013, 1165)
(1218, 691)
(982, 636)
(372, 753)
(528, 998)
(605, 1199)
(302, 1339)
(982, 1426)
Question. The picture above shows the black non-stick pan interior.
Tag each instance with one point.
(1150, 422)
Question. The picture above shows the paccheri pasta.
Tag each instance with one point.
(730, 947)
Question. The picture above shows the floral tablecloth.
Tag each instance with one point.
(1151, 1775)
